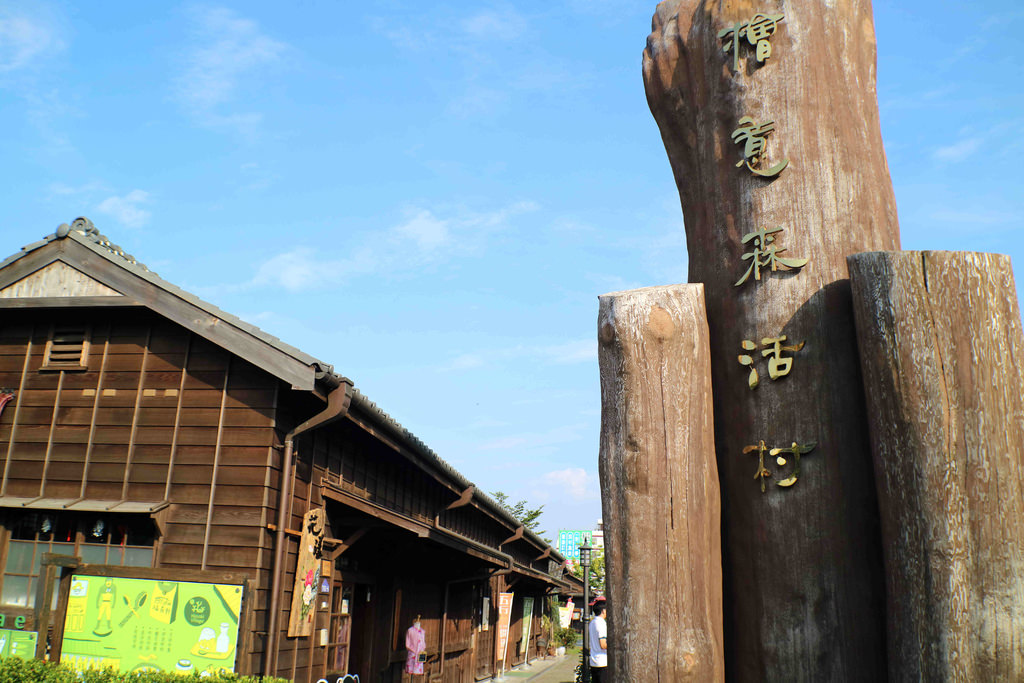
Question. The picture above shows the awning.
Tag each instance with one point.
(80, 505)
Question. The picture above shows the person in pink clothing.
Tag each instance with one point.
(415, 644)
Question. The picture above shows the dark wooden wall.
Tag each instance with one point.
(159, 414)
(410, 573)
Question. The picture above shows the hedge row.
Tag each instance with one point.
(14, 670)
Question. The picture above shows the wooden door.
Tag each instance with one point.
(362, 630)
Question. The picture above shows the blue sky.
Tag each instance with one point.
(431, 196)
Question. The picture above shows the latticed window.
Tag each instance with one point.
(122, 540)
(67, 348)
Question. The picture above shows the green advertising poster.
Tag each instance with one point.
(149, 625)
(20, 644)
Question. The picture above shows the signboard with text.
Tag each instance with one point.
(20, 644)
(149, 625)
(504, 619)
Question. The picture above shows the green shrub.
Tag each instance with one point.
(14, 670)
(566, 637)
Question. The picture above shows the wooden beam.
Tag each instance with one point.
(543, 555)
(346, 544)
(422, 530)
(464, 499)
(940, 342)
(70, 302)
(514, 537)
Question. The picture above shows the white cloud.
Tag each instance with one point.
(422, 239)
(225, 50)
(537, 443)
(301, 269)
(494, 25)
(23, 38)
(574, 482)
(966, 218)
(125, 209)
(477, 101)
(565, 353)
(957, 151)
(424, 229)
(87, 189)
(581, 351)
(466, 361)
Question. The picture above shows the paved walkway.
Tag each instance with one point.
(550, 670)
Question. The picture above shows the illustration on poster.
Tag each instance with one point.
(151, 625)
(347, 678)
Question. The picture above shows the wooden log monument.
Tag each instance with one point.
(768, 112)
(941, 347)
(661, 503)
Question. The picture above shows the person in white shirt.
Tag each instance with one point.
(599, 644)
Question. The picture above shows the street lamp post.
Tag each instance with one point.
(585, 564)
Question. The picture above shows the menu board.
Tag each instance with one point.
(146, 625)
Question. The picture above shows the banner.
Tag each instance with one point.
(565, 614)
(147, 625)
(504, 619)
(527, 625)
(307, 574)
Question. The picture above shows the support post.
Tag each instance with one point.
(769, 114)
(659, 485)
(940, 346)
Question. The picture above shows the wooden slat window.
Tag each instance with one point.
(67, 348)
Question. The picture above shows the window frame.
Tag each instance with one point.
(79, 530)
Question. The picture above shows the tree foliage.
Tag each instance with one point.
(597, 573)
(521, 511)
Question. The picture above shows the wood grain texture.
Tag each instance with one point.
(940, 341)
(804, 591)
(659, 484)
(57, 280)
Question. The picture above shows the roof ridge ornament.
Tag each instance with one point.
(85, 227)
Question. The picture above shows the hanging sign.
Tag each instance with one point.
(307, 574)
(527, 624)
(565, 614)
(504, 619)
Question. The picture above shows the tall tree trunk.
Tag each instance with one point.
(660, 487)
(804, 589)
(940, 343)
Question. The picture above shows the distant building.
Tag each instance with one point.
(570, 540)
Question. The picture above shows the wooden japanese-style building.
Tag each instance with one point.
(143, 427)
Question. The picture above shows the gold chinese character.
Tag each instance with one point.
(757, 31)
(766, 254)
(752, 137)
(778, 366)
(760, 448)
(795, 450)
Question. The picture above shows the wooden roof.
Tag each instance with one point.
(78, 267)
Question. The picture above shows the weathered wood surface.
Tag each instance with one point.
(804, 591)
(659, 484)
(940, 344)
